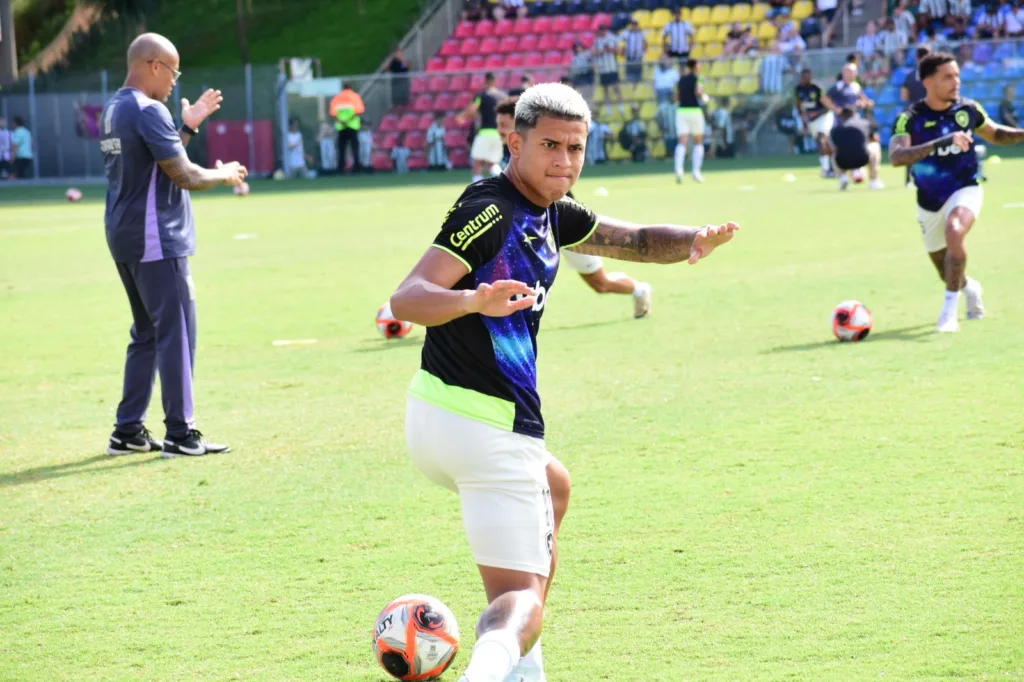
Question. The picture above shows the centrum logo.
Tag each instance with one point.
(476, 227)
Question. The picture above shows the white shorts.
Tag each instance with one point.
(822, 125)
(582, 263)
(501, 478)
(689, 122)
(933, 223)
(487, 147)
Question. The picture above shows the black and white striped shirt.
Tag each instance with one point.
(678, 35)
(636, 45)
(606, 49)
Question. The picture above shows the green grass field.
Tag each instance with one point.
(752, 499)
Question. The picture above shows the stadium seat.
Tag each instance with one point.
(419, 85)
(727, 87)
(643, 92)
(722, 33)
(408, 122)
(465, 29)
(556, 58)
(802, 9)
(642, 17)
(994, 69)
(459, 157)
(425, 121)
(700, 16)
(484, 28)
(741, 12)
(706, 34)
(381, 161)
(503, 28)
(759, 12)
(444, 102)
(766, 31)
(542, 24)
(889, 97)
(660, 17)
(449, 48)
(587, 38)
(564, 41)
(382, 140)
(475, 63)
(476, 82)
(436, 64)
(745, 67)
(459, 82)
(748, 85)
(713, 50)
(720, 14)
(719, 69)
(983, 53)
(561, 24)
(495, 62)
(522, 26)
(423, 103)
(490, 45)
(454, 138)
(462, 100)
(598, 21)
(514, 61)
(533, 59)
(580, 22)
(469, 47)
(528, 43)
(415, 140)
(898, 76)
(648, 110)
(418, 161)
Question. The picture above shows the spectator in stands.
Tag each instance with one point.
(474, 10)
(904, 21)
(1007, 110)
(958, 16)
(437, 154)
(779, 8)
(510, 8)
(365, 139)
(634, 49)
(665, 117)
(931, 11)
(733, 40)
(723, 141)
(868, 42)
(676, 37)
(633, 137)
(328, 150)
(828, 9)
(582, 70)
(892, 44)
(932, 40)
(295, 160)
(877, 70)
(847, 93)
(5, 150)
(21, 149)
(398, 68)
(791, 45)
(347, 109)
(525, 82)
(597, 140)
(1013, 20)
(606, 49)
(773, 68)
(666, 75)
(400, 155)
(990, 24)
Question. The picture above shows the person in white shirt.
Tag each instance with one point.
(868, 43)
(328, 148)
(400, 155)
(597, 141)
(437, 154)
(295, 161)
(666, 75)
(364, 138)
(606, 49)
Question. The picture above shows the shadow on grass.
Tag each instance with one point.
(71, 469)
(916, 334)
(585, 325)
(384, 345)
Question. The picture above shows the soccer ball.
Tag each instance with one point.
(416, 638)
(73, 194)
(851, 321)
(388, 326)
(242, 190)
(858, 175)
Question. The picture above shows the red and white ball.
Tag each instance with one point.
(851, 321)
(242, 190)
(416, 637)
(73, 194)
(389, 326)
(858, 175)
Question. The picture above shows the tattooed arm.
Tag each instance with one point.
(654, 243)
(188, 175)
(994, 133)
(901, 153)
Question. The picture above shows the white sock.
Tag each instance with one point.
(680, 158)
(952, 297)
(639, 290)
(972, 285)
(698, 157)
(495, 655)
(477, 178)
(533, 658)
(825, 163)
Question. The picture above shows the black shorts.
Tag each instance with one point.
(609, 79)
(634, 72)
(582, 80)
(852, 159)
(23, 168)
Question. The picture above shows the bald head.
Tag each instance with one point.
(153, 66)
(149, 47)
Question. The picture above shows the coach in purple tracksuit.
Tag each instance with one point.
(151, 234)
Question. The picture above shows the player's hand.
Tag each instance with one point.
(234, 173)
(495, 300)
(710, 237)
(962, 139)
(193, 115)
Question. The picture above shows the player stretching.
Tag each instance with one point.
(935, 135)
(817, 118)
(690, 120)
(486, 150)
(474, 423)
(591, 268)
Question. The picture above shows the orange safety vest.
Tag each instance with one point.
(346, 107)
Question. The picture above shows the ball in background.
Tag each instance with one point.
(73, 194)
(858, 175)
(416, 637)
(390, 327)
(851, 321)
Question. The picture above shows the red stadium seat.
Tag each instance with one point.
(419, 85)
(418, 161)
(484, 27)
(489, 45)
(469, 46)
(450, 47)
(475, 63)
(586, 38)
(508, 44)
(444, 102)
(459, 157)
(599, 20)
(555, 58)
(408, 122)
(561, 24)
(386, 141)
(460, 82)
(455, 138)
(388, 124)
(415, 140)
(528, 43)
(581, 22)
(455, 64)
(465, 29)
(381, 161)
(476, 83)
(452, 123)
(533, 59)
(522, 26)
(423, 103)
(462, 100)
(542, 24)
(549, 41)
(437, 84)
(514, 61)
(504, 27)
(436, 64)
(425, 122)
(565, 41)
(495, 62)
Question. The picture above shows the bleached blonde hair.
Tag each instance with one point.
(550, 99)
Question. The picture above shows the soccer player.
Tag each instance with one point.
(818, 119)
(690, 119)
(856, 145)
(936, 135)
(151, 234)
(474, 423)
(591, 268)
(486, 150)
(846, 92)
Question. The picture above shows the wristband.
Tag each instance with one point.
(186, 129)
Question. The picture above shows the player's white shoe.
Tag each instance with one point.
(975, 306)
(697, 176)
(948, 320)
(521, 674)
(844, 181)
(877, 184)
(642, 300)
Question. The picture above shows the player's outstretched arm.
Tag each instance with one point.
(654, 243)
(995, 133)
(902, 153)
(426, 296)
(188, 175)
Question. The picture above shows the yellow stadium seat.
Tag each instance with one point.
(642, 17)
(740, 67)
(759, 12)
(710, 86)
(766, 31)
(722, 33)
(654, 52)
(697, 51)
(713, 50)
(648, 109)
(720, 14)
(706, 34)
(660, 17)
(726, 87)
(700, 15)
(741, 13)
(685, 13)
(657, 147)
(616, 117)
(643, 92)
(749, 85)
(802, 9)
(719, 69)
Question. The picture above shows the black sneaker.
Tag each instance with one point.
(131, 443)
(192, 445)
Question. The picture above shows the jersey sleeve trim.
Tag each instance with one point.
(469, 268)
(589, 235)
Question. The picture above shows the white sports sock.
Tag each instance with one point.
(826, 164)
(533, 658)
(495, 655)
(698, 157)
(952, 297)
(680, 158)
(972, 285)
(639, 290)
(477, 178)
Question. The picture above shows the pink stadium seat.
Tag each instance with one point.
(476, 83)
(455, 138)
(436, 64)
(450, 47)
(508, 44)
(415, 140)
(452, 123)
(460, 81)
(388, 124)
(599, 20)
(523, 26)
(381, 161)
(586, 38)
(489, 45)
(484, 27)
(462, 100)
(423, 103)
(425, 122)
(386, 141)
(542, 24)
(455, 64)
(508, 80)
(561, 24)
(549, 41)
(419, 85)
(533, 59)
(475, 63)
(418, 161)
(469, 46)
(438, 84)
(555, 58)
(465, 29)
(408, 122)
(528, 43)
(504, 27)
(459, 157)
(565, 41)
(495, 62)
(444, 102)
(581, 22)
(514, 61)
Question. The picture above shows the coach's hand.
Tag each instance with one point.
(963, 140)
(710, 237)
(193, 115)
(496, 300)
(234, 173)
